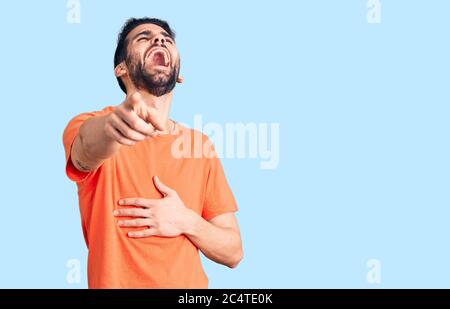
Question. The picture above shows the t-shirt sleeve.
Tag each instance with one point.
(70, 133)
(219, 198)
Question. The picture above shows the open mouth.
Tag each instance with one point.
(159, 57)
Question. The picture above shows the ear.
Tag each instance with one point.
(120, 70)
(180, 79)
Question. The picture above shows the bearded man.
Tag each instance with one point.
(145, 212)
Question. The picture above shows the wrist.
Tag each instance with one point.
(191, 222)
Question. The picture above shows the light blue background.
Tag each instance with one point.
(364, 121)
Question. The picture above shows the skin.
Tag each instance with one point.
(139, 117)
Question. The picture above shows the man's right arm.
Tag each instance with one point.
(101, 137)
(92, 145)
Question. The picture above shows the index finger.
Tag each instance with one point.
(135, 122)
(133, 99)
(138, 201)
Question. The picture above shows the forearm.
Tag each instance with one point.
(92, 146)
(220, 244)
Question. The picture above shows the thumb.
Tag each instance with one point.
(165, 190)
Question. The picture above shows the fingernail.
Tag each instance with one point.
(116, 212)
(131, 234)
(120, 222)
(120, 202)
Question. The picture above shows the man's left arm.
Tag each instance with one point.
(219, 238)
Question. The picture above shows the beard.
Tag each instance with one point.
(158, 83)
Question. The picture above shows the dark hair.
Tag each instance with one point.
(122, 42)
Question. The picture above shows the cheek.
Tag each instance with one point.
(131, 58)
(176, 62)
(137, 55)
(174, 55)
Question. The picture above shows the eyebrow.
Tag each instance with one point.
(149, 33)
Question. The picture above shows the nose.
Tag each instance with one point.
(159, 39)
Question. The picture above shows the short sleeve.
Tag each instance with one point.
(219, 198)
(70, 133)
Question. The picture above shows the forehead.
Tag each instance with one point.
(145, 27)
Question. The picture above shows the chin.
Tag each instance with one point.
(160, 79)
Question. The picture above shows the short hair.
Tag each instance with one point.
(120, 54)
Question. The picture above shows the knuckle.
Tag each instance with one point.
(128, 133)
(133, 123)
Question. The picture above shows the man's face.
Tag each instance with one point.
(152, 61)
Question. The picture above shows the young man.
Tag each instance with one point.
(146, 211)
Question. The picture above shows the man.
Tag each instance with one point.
(145, 211)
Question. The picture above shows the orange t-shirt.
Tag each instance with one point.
(118, 261)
